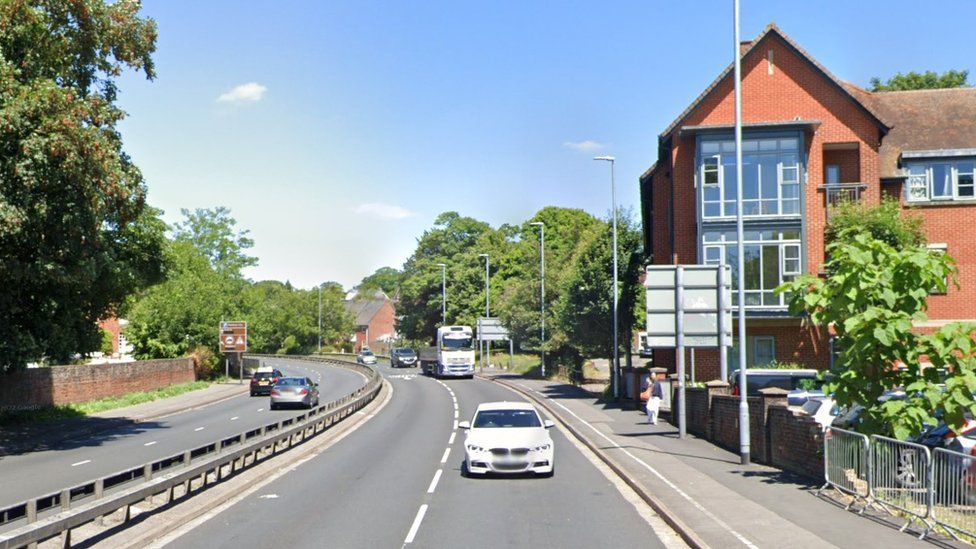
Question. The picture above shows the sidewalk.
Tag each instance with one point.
(703, 488)
(34, 437)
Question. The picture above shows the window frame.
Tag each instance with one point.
(795, 247)
(920, 184)
(943, 249)
(756, 340)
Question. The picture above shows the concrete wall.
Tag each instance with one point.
(57, 385)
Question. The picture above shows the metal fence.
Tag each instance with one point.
(56, 514)
(933, 488)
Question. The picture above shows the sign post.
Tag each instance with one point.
(491, 329)
(233, 339)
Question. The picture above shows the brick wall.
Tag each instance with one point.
(796, 441)
(725, 421)
(57, 385)
(698, 410)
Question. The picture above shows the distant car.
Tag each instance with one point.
(263, 380)
(403, 356)
(294, 391)
(366, 357)
(798, 397)
(507, 437)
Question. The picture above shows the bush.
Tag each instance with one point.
(108, 339)
(204, 362)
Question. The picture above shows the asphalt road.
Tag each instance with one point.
(396, 481)
(72, 463)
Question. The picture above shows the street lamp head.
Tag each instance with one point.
(537, 223)
(482, 255)
(607, 158)
(442, 265)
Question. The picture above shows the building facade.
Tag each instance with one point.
(810, 141)
(375, 319)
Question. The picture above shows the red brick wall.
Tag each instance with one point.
(796, 441)
(847, 160)
(57, 385)
(112, 325)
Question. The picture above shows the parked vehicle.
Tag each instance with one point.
(507, 437)
(762, 378)
(263, 379)
(452, 353)
(294, 391)
(403, 357)
(823, 410)
(366, 357)
(798, 397)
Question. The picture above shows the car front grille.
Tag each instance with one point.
(518, 452)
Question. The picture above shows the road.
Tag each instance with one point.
(396, 481)
(72, 463)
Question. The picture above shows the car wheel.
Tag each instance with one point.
(274, 406)
(253, 393)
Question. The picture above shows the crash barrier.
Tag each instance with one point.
(52, 515)
(846, 464)
(933, 488)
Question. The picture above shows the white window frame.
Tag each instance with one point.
(784, 274)
(753, 146)
(920, 187)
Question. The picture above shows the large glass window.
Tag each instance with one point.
(771, 257)
(770, 173)
(940, 181)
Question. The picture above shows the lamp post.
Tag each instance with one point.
(487, 308)
(615, 376)
(320, 319)
(744, 449)
(542, 291)
(443, 267)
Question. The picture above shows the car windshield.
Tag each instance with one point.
(367, 353)
(407, 352)
(488, 419)
(264, 375)
(456, 343)
(811, 406)
(291, 381)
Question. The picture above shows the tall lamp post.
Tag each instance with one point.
(615, 377)
(443, 267)
(744, 449)
(320, 319)
(487, 309)
(542, 291)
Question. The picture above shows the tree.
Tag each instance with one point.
(212, 231)
(76, 236)
(884, 222)
(922, 81)
(385, 278)
(875, 292)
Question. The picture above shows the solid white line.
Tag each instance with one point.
(235, 418)
(447, 452)
(149, 443)
(433, 483)
(451, 440)
(81, 463)
(199, 428)
(416, 524)
(653, 471)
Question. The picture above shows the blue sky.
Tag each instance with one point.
(337, 131)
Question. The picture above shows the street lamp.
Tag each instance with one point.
(443, 293)
(614, 378)
(542, 290)
(744, 442)
(320, 319)
(487, 308)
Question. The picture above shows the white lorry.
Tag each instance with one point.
(453, 354)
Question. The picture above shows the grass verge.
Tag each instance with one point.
(82, 409)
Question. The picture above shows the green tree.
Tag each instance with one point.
(922, 81)
(884, 222)
(873, 296)
(76, 236)
(213, 232)
(385, 278)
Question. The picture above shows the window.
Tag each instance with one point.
(764, 351)
(939, 249)
(833, 174)
(941, 181)
(770, 173)
(771, 258)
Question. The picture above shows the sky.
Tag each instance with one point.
(336, 132)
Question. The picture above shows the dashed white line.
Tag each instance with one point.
(433, 483)
(455, 424)
(81, 463)
(416, 524)
(455, 414)
(199, 428)
(149, 443)
(451, 440)
(235, 418)
(447, 452)
(260, 409)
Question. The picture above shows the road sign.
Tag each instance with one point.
(233, 337)
(701, 302)
(491, 329)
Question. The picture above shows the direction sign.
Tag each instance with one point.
(233, 337)
(491, 329)
(706, 295)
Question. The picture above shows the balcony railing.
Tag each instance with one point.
(839, 193)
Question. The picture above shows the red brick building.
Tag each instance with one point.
(809, 140)
(375, 318)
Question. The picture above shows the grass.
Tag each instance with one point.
(81, 409)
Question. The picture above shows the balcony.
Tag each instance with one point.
(839, 193)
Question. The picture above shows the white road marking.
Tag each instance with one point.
(199, 428)
(416, 524)
(260, 409)
(268, 496)
(451, 440)
(447, 452)
(433, 483)
(235, 418)
(149, 443)
(81, 463)
(455, 414)
(455, 425)
(653, 471)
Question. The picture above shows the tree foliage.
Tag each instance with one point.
(76, 236)
(213, 232)
(885, 222)
(386, 279)
(873, 296)
(922, 81)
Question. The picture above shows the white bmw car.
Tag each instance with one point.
(508, 437)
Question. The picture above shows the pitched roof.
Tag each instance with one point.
(922, 120)
(745, 48)
(365, 309)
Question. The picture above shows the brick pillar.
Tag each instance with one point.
(716, 387)
(769, 397)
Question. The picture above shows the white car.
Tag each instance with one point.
(366, 357)
(508, 437)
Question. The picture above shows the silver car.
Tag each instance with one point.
(294, 391)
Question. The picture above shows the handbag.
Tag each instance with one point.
(646, 393)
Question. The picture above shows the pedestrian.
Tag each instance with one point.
(654, 399)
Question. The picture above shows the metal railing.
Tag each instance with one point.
(900, 478)
(56, 514)
(954, 492)
(839, 193)
(846, 464)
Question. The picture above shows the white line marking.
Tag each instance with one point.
(447, 452)
(260, 409)
(81, 463)
(149, 443)
(416, 524)
(433, 483)
(653, 471)
(199, 428)
(455, 414)
(235, 418)
(451, 440)
(455, 425)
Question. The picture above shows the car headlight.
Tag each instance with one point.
(475, 448)
(542, 448)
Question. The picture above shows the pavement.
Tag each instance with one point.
(702, 490)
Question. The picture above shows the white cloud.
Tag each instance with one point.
(383, 211)
(587, 146)
(252, 91)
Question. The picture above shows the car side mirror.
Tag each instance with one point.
(465, 425)
(548, 424)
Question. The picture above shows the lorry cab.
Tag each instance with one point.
(453, 354)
